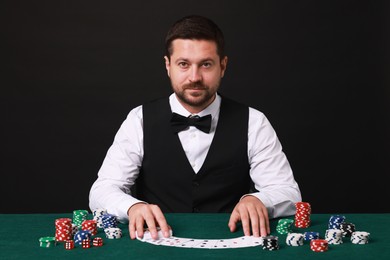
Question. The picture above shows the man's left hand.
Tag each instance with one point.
(253, 215)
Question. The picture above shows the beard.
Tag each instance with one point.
(187, 94)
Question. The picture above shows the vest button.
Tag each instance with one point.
(195, 184)
(195, 210)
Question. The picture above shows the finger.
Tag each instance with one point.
(151, 224)
(245, 221)
(161, 221)
(255, 222)
(140, 227)
(264, 224)
(234, 218)
(132, 229)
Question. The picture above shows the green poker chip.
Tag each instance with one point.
(47, 241)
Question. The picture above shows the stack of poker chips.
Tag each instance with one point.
(319, 245)
(284, 226)
(81, 235)
(360, 237)
(295, 239)
(335, 221)
(75, 228)
(79, 216)
(310, 235)
(302, 215)
(347, 229)
(270, 243)
(90, 225)
(109, 220)
(98, 216)
(63, 229)
(334, 236)
(47, 241)
(113, 232)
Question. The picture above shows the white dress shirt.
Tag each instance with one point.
(269, 167)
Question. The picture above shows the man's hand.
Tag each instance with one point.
(253, 214)
(142, 213)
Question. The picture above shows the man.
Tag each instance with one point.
(179, 168)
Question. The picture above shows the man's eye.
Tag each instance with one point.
(207, 64)
(183, 65)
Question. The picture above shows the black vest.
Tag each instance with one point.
(167, 178)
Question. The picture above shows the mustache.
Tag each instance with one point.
(195, 85)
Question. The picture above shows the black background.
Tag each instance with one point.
(72, 70)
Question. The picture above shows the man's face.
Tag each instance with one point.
(195, 70)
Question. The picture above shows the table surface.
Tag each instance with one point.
(20, 233)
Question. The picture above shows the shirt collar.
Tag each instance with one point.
(212, 109)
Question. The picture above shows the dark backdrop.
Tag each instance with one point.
(72, 70)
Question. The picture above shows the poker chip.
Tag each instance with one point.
(79, 216)
(113, 232)
(295, 239)
(98, 216)
(109, 221)
(284, 226)
(302, 214)
(335, 221)
(334, 236)
(347, 229)
(270, 243)
(319, 245)
(360, 237)
(81, 235)
(90, 225)
(310, 235)
(63, 228)
(47, 242)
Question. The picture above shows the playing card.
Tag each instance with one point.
(190, 242)
(207, 243)
(223, 243)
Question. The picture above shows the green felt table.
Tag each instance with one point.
(20, 233)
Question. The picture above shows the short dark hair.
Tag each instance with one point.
(198, 28)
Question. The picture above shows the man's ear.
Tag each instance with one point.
(224, 62)
(167, 65)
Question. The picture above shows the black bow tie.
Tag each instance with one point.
(179, 123)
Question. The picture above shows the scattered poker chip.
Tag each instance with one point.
(335, 221)
(109, 221)
(295, 239)
(334, 236)
(79, 216)
(270, 243)
(319, 245)
(310, 235)
(47, 242)
(360, 237)
(90, 225)
(113, 232)
(81, 235)
(98, 216)
(284, 226)
(347, 229)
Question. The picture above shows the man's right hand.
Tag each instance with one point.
(149, 214)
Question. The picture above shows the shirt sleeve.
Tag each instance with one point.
(270, 170)
(120, 168)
